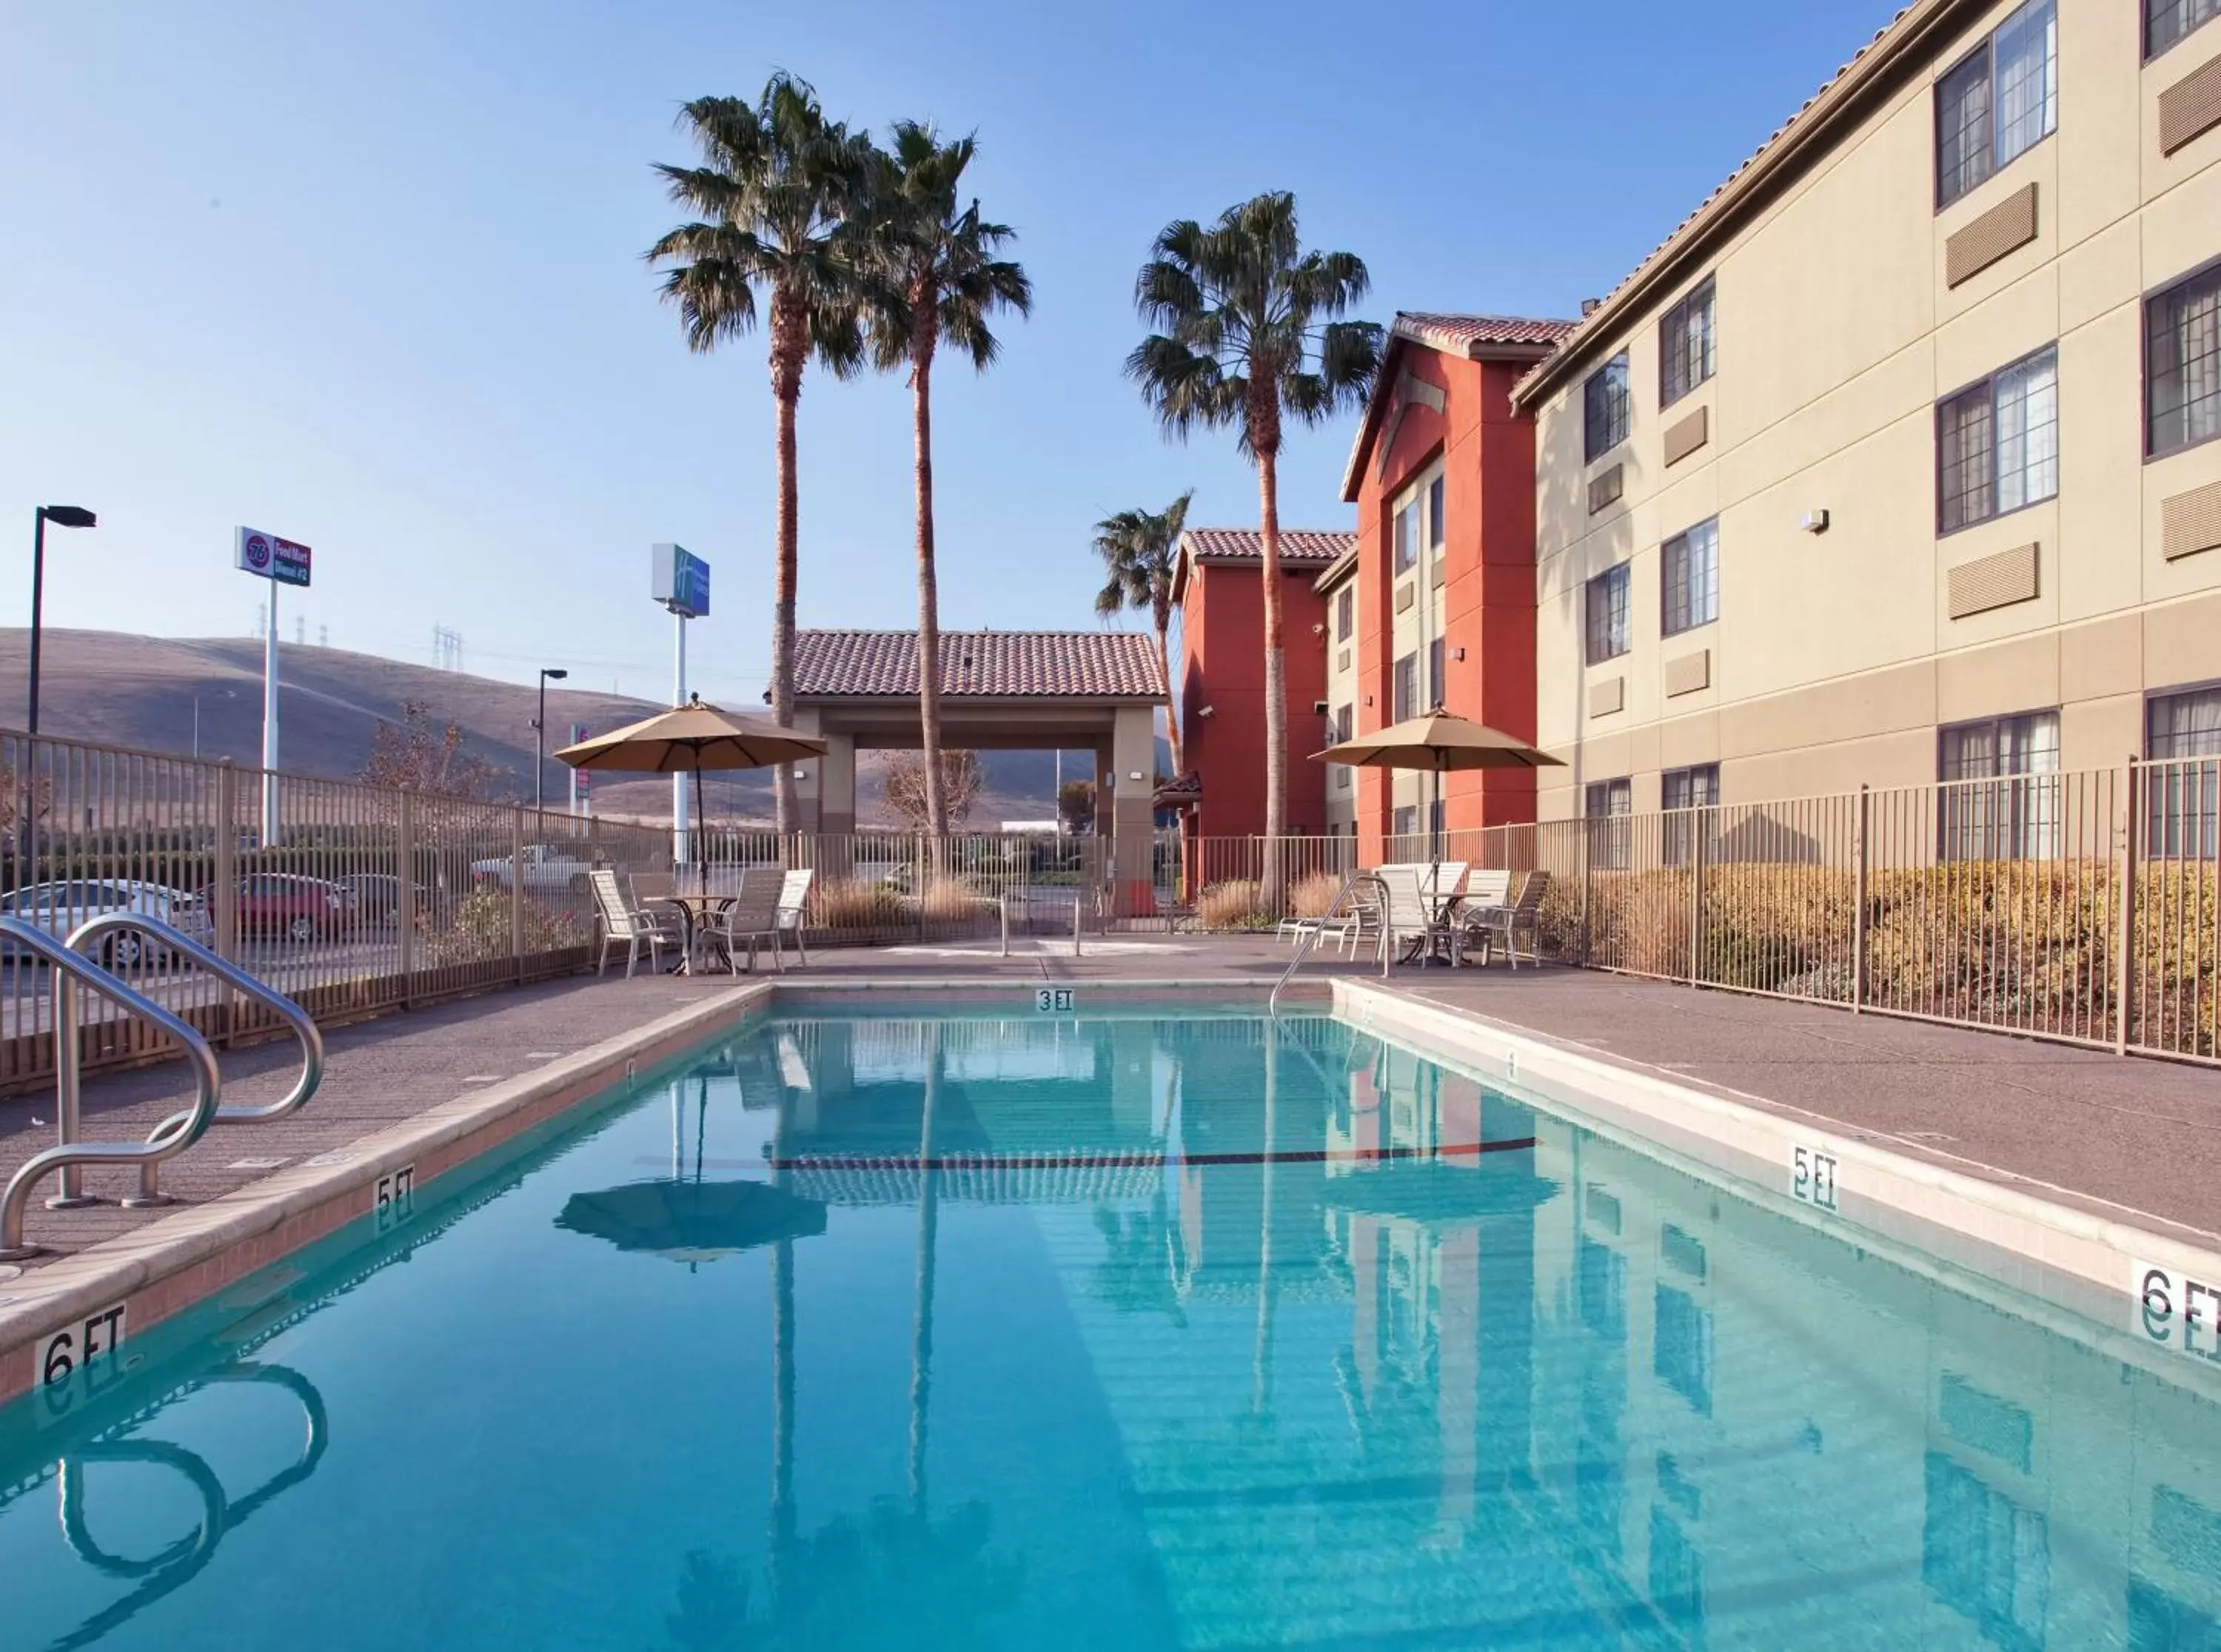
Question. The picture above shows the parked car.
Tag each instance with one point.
(275, 905)
(60, 907)
(548, 867)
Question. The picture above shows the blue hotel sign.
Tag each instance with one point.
(679, 580)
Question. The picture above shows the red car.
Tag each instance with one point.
(274, 905)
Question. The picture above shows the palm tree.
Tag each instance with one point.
(780, 200)
(1139, 549)
(1249, 335)
(939, 279)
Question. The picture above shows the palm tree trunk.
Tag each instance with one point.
(1165, 665)
(929, 595)
(788, 343)
(1276, 706)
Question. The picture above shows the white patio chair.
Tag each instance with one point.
(622, 921)
(793, 899)
(752, 918)
(1507, 920)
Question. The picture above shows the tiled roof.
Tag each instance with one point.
(1464, 332)
(1904, 29)
(1246, 544)
(1113, 664)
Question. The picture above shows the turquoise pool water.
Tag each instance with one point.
(1053, 1331)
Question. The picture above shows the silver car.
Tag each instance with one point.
(60, 907)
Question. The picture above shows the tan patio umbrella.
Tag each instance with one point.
(1439, 743)
(688, 739)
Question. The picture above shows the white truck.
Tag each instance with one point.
(548, 867)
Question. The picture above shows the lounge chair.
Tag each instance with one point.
(793, 899)
(752, 918)
(1507, 920)
(628, 923)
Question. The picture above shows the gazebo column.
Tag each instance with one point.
(1133, 764)
(836, 787)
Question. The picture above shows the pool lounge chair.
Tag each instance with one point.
(793, 898)
(752, 918)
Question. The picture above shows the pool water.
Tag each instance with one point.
(1178, 1331)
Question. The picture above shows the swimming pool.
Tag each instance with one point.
(1145, 1330)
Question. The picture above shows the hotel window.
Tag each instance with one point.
(1996, 443)
(1437, 675)
(2015, 816)
(1407, 688)
(1404, 823)
(1609, 805)
(1343, 724)
(1605, 409)
(2182, 364)
(2001, 101)
(1345, 614)
(1435, 515)
(2183, 792)
(1692, 578)
(1684, 345)
(1681, 789)
(1407, 537)
(1609, 633)
(2167, 21)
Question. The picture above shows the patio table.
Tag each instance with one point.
(693, 912)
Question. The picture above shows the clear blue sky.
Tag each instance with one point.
(368, 275)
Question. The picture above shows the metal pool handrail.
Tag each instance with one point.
(1307, 939)
(82, 939)
(170, 1139)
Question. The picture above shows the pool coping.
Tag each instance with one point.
(2086, 1239)
(158, 1271)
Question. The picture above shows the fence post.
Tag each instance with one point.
(1862, 863)
(1697, 824)
(223, 884)
(404, 893)
(1588, 931)
(2125, 965)
(516, 890)
(917, 881)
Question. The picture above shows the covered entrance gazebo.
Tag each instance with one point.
(1000, 691)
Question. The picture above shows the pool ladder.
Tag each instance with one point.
(73, 967)
(1307, 940)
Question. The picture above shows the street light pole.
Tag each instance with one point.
(61, 516)
(540, 739)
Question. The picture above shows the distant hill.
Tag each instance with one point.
(119, 689)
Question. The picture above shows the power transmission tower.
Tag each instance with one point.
(324, 636)
(447, 649)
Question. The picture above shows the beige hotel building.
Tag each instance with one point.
(1897, 461)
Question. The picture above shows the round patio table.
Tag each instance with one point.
(694, 912)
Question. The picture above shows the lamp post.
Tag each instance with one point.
(60, 516)
(539, 738)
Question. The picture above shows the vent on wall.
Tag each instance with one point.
(1684, 436)
(1604, 487)
(2189, 107)
(1341, 661)
(1992, 582)
(1689, 672)
(1439, 572)
(1405, 593)
(1607, 696)
(2005, 226)
(2191, 523)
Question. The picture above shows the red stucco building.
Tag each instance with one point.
(1219, 591)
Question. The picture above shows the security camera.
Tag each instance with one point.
(1319, 707)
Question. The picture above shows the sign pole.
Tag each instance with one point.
(680, 838)
(678, 580)
(269, 724)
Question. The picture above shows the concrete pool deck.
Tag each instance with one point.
(2140, 1138)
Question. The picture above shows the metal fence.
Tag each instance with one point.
(351, 899)
(2082, 906)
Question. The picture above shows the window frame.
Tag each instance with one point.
(1624, 572)
(1345, 613)
(1678, 836)
(1401, 692)
(1670, 351)
(2149, 55)
(2210, 268)
(1989, 382)
(2169, 822)
(1345, 724)
(1986, 49)
(1438, 672)
(1592, 451)
(1666, 626)
(2020, 807)
(1611, 834)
